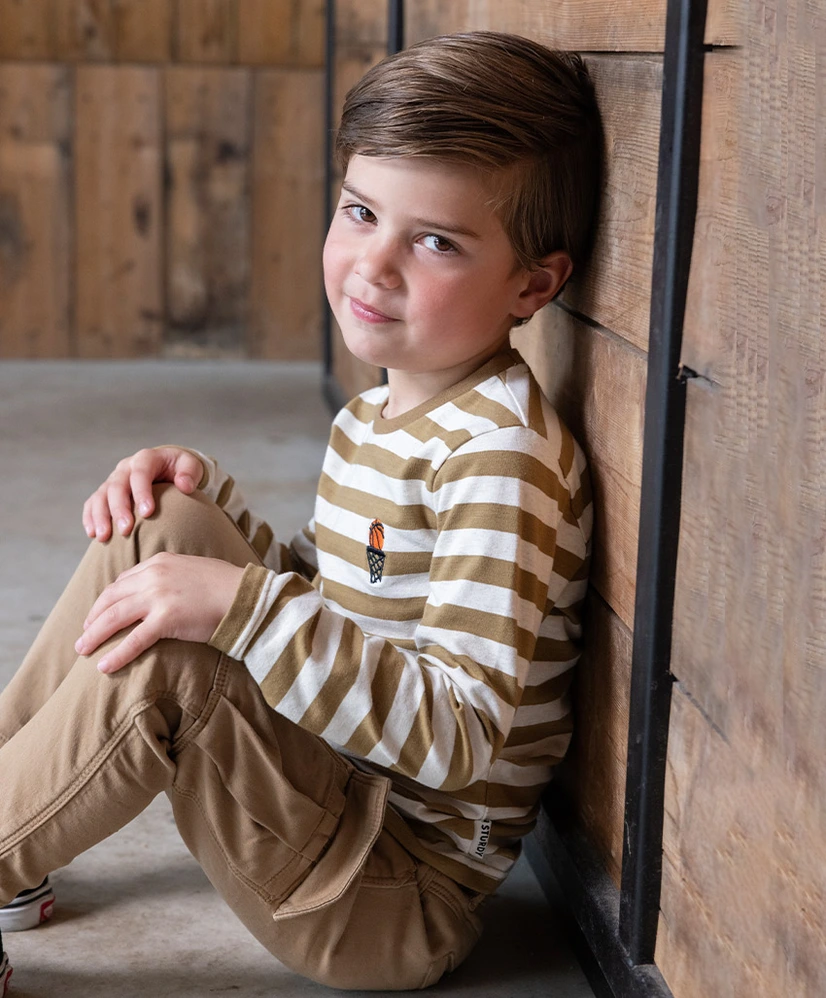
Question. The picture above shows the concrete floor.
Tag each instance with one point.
(135, 916)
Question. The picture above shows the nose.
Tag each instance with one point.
(378, 262)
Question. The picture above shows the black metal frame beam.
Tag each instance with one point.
(665, 398)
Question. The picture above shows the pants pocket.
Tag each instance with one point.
(268, 828)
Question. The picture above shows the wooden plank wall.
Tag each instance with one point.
(161, 178)
(744, 891)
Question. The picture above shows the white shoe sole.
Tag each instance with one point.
(5, 974)
(27, 912)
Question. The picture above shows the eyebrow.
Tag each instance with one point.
(425, 223)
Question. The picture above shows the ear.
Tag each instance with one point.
(543, 283)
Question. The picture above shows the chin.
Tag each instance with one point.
(366, 349)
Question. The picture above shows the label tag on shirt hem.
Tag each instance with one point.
(480, 843)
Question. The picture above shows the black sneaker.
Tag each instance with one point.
(5, 970)
(27, 910)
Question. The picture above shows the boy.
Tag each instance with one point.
(353, 731)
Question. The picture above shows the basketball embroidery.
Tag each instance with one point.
(375, 550)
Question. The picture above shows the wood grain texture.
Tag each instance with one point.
(360, 24)
(597, 383)
(743, 897)
(286, 296)
(143, 30)
(26, 29)
(587, 25)
(615, 288)
(84, 30)
(744, 882)
(593, 772)
(35, 182)
(282, 33)
(708, 331)
(207, 208)
(206, 31)
(118, 202)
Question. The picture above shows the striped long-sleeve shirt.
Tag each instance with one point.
(427, 620)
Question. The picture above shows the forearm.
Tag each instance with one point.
(394, 707)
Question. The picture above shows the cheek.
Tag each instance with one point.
(333, 261)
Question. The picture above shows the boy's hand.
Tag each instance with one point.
(174, 595)
(131, 481)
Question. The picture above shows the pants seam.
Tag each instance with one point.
(215, 693)
(82, 778)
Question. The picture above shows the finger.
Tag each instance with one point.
(119, 501)
(106, 624)
(115, 591)
(147, 466)
(188, 472)
(99, 512)
(86, 518)
(123, 587)
(134, 644)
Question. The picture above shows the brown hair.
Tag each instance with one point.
(502, 103)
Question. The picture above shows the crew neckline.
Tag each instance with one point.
(498, 363)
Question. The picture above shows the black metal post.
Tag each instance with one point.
(395, 26)
(329, 85)
(651, 679)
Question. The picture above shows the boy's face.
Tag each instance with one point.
(420, 274)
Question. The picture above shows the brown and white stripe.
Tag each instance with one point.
(450, 671)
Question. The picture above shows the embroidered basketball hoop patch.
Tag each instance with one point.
(375, 550)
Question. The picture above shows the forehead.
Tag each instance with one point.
(429, 189)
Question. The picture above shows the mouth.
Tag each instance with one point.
(367, 313)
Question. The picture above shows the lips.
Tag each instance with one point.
(368, 313)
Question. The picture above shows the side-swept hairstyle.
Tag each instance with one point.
(505, 104)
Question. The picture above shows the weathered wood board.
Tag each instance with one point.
(118, 205)
(745, 861)
(593, 772)
(35, 225)
(615, 289)
(26, 30)
(288, 225)
(208, 139)
(206, 31)
(744, 881)
(281, 32)
(143, 30)
(595, 25)
(84, 30)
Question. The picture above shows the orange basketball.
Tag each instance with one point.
(377, 535)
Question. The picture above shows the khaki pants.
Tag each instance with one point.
(289, 833)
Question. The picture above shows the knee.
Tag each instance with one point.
(181, 524)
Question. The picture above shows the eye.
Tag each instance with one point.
(359, 213)
(438, 244)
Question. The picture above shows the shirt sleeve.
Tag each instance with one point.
(511, 540)
(297, 556)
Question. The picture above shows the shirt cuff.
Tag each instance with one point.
(242, 608)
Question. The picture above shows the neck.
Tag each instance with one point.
(408, 389)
